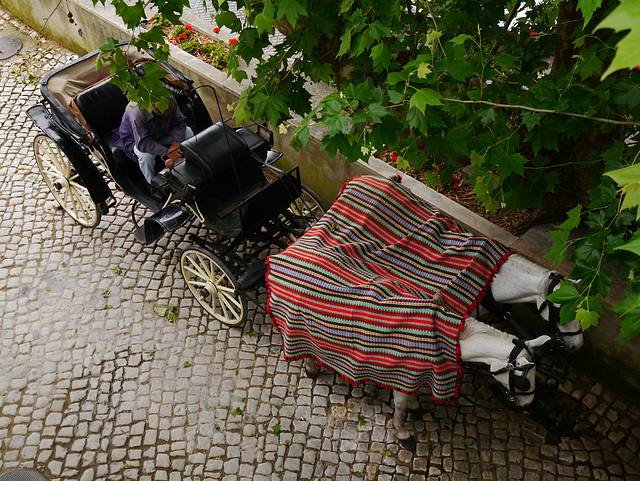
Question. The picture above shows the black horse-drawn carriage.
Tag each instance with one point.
(225, 180)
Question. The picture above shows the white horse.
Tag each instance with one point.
(510, 362)
(521, 281)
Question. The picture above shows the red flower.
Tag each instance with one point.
(184, 35)
(455, 186)
(188, 27)
(232, 41)
(394, 157)
(174, 39)
(216, 30)
(206, 36)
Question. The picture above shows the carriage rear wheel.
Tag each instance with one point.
(213, 285)
(64, 182)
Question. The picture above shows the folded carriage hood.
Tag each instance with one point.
(82, 163)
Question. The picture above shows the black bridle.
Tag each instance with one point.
(554, 309)
(519, 385)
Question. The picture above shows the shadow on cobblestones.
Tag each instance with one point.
(95, 385)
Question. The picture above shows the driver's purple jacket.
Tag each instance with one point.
(144, 129)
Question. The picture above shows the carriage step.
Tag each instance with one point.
(254, 274)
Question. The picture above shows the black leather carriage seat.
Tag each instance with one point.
(102, 106)
(222, 168)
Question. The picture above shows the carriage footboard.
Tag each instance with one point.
(168, 219)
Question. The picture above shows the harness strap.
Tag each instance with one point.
(511, 368)
(554, 311)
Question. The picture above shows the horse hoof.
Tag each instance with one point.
(409, 443)
(311, 374)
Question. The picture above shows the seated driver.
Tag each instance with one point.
(142, 135)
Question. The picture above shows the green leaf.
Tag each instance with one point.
(396, 77)
(381, 55)
(573, 219)
(292, 9)
(460, 39)
(276, 429)
(512, 163)
(590, 65)
(301, 135)
(626, 16)
(487, 116)
(628, 179)
(395, 97)
(587, 7)
(630, 310)
(632, 246)
(378, 30)
(336, 124)
(376, 112)
(628, 93)
(237, 412)
(265, 20)
(568, 311)
(345, 43)
(424, 97)
(587, 318)
(230, 20)
(345, 6)
(506, 61)
(274, 107)
(131, 15)
(468, 441)
(160, 311)
(565, 293)
(321, 73)
(476, 159)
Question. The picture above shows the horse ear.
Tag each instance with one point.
(538, 341)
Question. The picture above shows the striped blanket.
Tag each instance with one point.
(379, 288)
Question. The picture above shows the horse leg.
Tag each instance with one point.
(311, 367)
(402, 401)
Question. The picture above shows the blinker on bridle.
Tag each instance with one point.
(554, 310)
(519, 382)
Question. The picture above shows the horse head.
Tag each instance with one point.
(510, 359)
(520, 280)
(518, 376)
(571, 332)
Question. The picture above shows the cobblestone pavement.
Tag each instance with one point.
(95, 385)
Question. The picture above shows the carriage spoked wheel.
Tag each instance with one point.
(65, 183)
(308, 205)
(213, 285)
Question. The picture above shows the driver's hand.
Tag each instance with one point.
(175, 153)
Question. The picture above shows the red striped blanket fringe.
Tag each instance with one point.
(378, 289)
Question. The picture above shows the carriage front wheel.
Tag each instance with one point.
(213, 285)
(64, 182)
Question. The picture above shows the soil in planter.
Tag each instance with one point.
(515, 222)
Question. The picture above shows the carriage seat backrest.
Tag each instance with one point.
(102, 106)
(223, 157)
